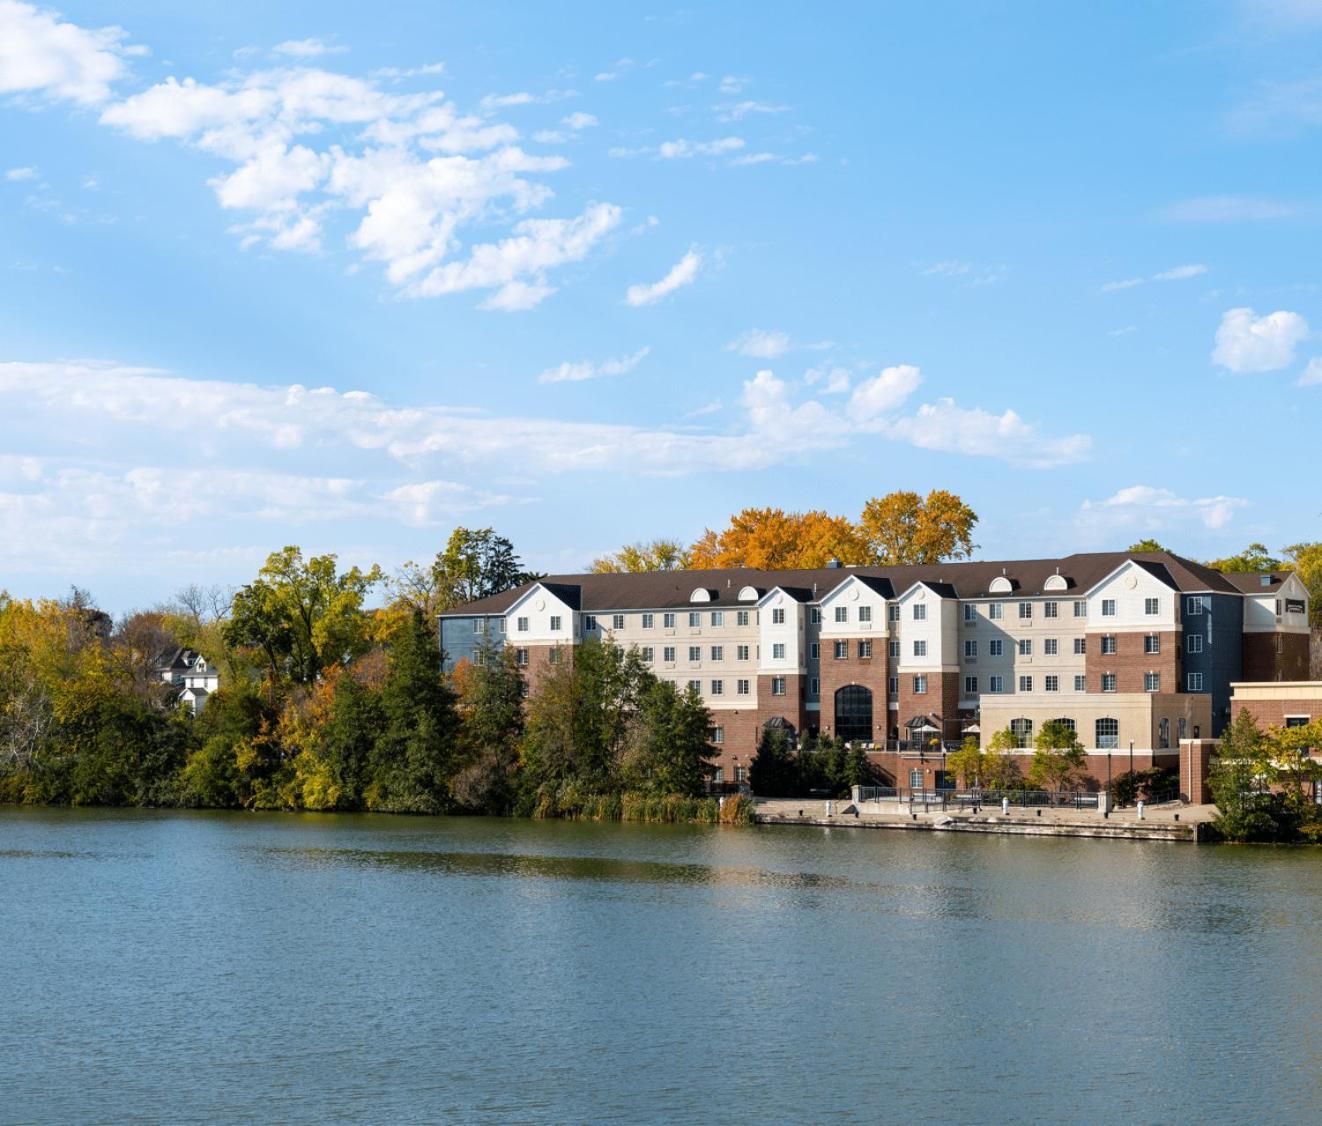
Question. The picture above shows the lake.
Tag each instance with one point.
(201, 967)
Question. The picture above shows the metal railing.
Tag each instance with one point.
(970, 799)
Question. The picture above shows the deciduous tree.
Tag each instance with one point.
(635, 558)
(903, 527)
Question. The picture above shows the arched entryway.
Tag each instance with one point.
(853, 713)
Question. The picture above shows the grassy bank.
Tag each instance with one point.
(573, 805)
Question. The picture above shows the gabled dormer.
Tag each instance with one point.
(544, 614)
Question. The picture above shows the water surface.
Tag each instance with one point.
(201, 967)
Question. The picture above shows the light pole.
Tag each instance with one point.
(1131, 756)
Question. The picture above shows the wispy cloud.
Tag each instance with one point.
(18, 175)
(577, 372)
(1176, 273)
(967, 273)
(760, 343)
(682, 273)
(1228, 209)
(307, 48)
(1144, 508)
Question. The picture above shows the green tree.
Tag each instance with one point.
(476, 563)
(1148, 545)
(490, 704)
(968, 763)
(635, 558)
(347, 739)
(1306, 560)
(1058, 757)
(1254, 558)
(773, 772)
(1239, 780)
(666, 750)
(415, 755)
(303, 616)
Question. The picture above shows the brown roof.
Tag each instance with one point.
(656, 590)
(1252, 582)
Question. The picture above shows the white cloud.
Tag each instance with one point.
(737, 111)
(682, 273)
(40, 54)
(879, 396)
(682, 149)
(760, 344)
(307, 48)
(1246, 342)
(618, 68)
(945, 426)
(1176, 273)
(503, 101)
(732, 84)
(16, 175)
(1228, 209)
(568, 372)
(834, 380)
(969, 273)
(396, 74)
(578, 121)
(1311, 376)
(1144, 508)
(309, 145)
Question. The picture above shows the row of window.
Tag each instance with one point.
(715, 653)
(840, 650)
(717, 687)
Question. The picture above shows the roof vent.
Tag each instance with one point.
(1266, 580)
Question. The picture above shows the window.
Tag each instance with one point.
(996, 684)
(1050, 647)
(695, 652)
(919, 612)
(815, 651)
(1025, 647)
(865, 649)
(970, 686)
(841, 650)
(718, 688)
(668, 621)
(970, 612)
(649, 620)
(1163, 733)
(778, 651)
(1108, 643)
(695, 618)
(893, 612)
(521, 657)
(1182, 727)
(815, 615)
(1194, 642)
(1296, 721)
(1108, 607)
(814, 686)
(741, 652)
(1051, 684)
(1108, 682)
(1152, 682)
(1195, 682)
(718, 617)
(1193, 606)
(1080, 645)
(1080, 609)
(842, 613)
(1025, 609)
(555, 622)
(1025, 684)
(668, 654)
(920, 686)
(777, 617)
(718, 652)
(865, 613)
(740, 774)
(695, 686)
(778, 686)
(521, 625)
(1278, 607)
(1022, 730)
(649, 654)
(553, 657)
(1065, 721)
(589, 621)
(717, 734)
(719, 776)
(1108, 734)
(479, 625)
(995, 611)
(920, 648)
(523, 690)
(741, 617)
(741, 687)
(970, 650)
(1050, 609)
(1080, 684)
(995, 647)
(893, 685)
(1152, 643)
(1151, 606)
(894, 649)
(617, 621)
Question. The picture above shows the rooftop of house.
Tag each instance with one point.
(657, 590)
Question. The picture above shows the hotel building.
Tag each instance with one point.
(1135, 650)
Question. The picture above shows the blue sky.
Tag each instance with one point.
(345, 276)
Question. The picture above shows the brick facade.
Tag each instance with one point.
(836, 673)
(1275, 656)
(940, 702)
(1131, 664)
(1273, 713)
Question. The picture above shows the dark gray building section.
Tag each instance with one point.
(461, 638)
(1218, 621)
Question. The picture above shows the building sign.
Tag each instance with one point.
(1294, 605)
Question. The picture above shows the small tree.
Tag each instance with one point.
(1058, 757)
(967, 763)
(773, 772)
(1246, 809)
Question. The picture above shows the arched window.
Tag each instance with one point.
(1056, 582)
(1000, 585)
(1022, 730)
(1163, 733)
(853, 713)
(1108, 734)
(1065, 721)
